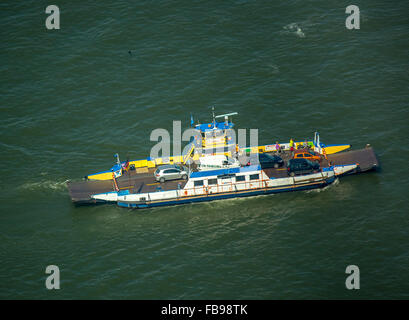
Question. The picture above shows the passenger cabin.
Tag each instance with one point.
(226, 180)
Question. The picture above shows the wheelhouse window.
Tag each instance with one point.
(214, 134)
(240, 178)
(212, 182)
(254, 176)
(198, 183)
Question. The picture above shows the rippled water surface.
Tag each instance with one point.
(71, 98)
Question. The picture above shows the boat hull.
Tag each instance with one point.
(229, 195)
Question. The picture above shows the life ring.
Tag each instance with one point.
(185, 192)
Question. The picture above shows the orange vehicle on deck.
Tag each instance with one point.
(307, 154)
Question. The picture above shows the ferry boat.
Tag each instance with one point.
(132, 184)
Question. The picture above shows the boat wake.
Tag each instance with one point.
(336, 182)
(45, 185)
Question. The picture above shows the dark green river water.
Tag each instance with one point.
(71, 98)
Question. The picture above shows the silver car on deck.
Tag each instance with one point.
(171, 172)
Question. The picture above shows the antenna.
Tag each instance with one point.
(117, 158)
(227, 115)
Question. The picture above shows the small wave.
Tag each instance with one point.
(274, 68)
(295, 29)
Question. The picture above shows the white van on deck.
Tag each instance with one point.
(217, 162)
